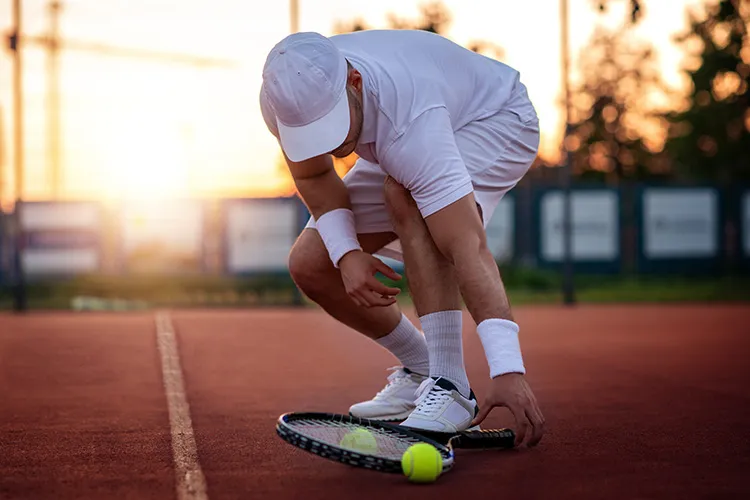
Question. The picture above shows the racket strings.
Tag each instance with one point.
(374, 441)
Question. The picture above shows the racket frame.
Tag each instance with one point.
(444, 443)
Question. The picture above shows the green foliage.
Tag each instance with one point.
(524, 285)
(146, 291)
(710, 138)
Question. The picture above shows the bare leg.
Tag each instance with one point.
(313, 272)
(459, 234)
(315, 275)
(432, 279)
(433, 286)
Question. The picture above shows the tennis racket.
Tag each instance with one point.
(376, 445)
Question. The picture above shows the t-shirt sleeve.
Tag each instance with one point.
(425, 160)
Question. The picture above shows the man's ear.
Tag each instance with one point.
(354, 78)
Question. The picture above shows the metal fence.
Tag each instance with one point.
(638, 229)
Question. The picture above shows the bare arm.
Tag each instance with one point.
(323, 191)
(459, 235)
(433, 159)
(319, 185)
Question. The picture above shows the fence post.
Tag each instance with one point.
(302, 217)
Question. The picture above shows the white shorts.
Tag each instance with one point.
(497, 152)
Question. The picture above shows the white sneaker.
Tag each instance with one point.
(441, 408)
(395, 401)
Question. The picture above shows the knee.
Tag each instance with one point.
(398, 199)
(309, 264)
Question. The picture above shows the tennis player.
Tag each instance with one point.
(441, 133)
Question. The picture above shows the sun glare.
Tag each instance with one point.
(147, 128)
(148, 161)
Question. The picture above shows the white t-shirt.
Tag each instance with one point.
(418, 89)
(409, 72)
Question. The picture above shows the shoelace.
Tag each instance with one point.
(395, 380)
(430, 398)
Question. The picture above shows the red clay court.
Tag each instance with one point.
(642, 402)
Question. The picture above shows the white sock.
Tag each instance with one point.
(408, 344)
(443, 333)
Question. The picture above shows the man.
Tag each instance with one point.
(442, 133)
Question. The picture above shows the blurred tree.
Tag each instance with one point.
(357, 24)
(488, 49)
(710, 135)
(434, 17)
(636, 10)
(617, 129)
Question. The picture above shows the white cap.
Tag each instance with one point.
(304, 83)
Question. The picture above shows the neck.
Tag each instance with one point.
(356, 97)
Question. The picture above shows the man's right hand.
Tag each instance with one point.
(358, 271)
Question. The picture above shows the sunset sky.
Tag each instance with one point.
(134, 128)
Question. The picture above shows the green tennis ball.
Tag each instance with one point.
(360, 440)
(422, 463)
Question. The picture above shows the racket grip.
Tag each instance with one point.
(495, 438)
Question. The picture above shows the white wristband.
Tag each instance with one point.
(501, 346)
(338, 232)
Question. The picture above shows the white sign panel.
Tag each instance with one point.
(746, 223)
(162, 235)
(500, 230)
(260, 234)
(680, 224)
(44, 216)
(61, 238)
(52, 262)
(595, 226)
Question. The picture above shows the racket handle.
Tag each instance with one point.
(495, 438)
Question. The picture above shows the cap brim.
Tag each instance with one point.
(319, 137)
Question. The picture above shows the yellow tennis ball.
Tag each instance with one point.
(422, 463)
(360, 440)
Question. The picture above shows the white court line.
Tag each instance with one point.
(191, 483)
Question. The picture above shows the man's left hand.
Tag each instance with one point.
(512, 391)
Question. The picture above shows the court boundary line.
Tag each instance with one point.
(189, 478)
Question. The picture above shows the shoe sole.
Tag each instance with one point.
(402, 418)
(387, 418)
(440, 433)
